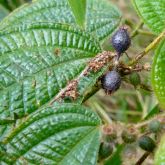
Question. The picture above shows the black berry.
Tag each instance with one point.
(111, 81)
(121, 41)
(146, 143)
(106, 149)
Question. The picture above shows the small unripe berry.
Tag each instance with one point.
(109, 133)
(111, 81)
(135, 79)
(146, 143)
(154, 126)
(121, 40)
(128, 137)
(106, 150)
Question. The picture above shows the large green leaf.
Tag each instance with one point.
(102, 16)
(36, 62)
(3, 12)
(63, 134)
(152, 12)
(79, 11)
(160, 153)
(158, 73)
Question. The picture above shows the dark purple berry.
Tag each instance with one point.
(111, 81)
(121, 41)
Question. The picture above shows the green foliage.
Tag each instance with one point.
(158, 76)
(36, 73)
(3, 12)
(152, 12)
(79, 11)
(45, 47)
(102, 17)
(61, 134)
(155, 110)
(160, 153)
(38, 58)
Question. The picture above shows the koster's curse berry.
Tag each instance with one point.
(111, 81)
(121, 41)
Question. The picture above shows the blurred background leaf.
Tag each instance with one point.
(79, 11)
(3, 12)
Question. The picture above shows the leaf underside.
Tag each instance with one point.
(158, 76)
(102, 17)
(61, 134)
(152, 12)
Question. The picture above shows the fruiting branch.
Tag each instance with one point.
(94, 65)
(135, 32)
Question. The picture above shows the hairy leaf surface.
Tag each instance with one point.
(61, 134)
(36, 62)
(160, 153)
(158, 76)
(102, 16)
(152, 12)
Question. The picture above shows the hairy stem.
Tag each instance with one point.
(160, 117)
(147, 49)
(135, 32)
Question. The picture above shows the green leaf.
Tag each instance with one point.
(152, 12)
(102, 17)
(116, 158)
(3, 12)
(62, 134)
(154, 111)
(37, 61)
(79, 11)
(158, 76)
(160, 153)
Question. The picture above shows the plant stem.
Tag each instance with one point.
(143, 158)
(102, 113)
(161, 116)
(135, 32)
(147, 49)
(146, 32)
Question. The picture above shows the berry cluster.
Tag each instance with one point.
(121, 41)
(112, 135)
